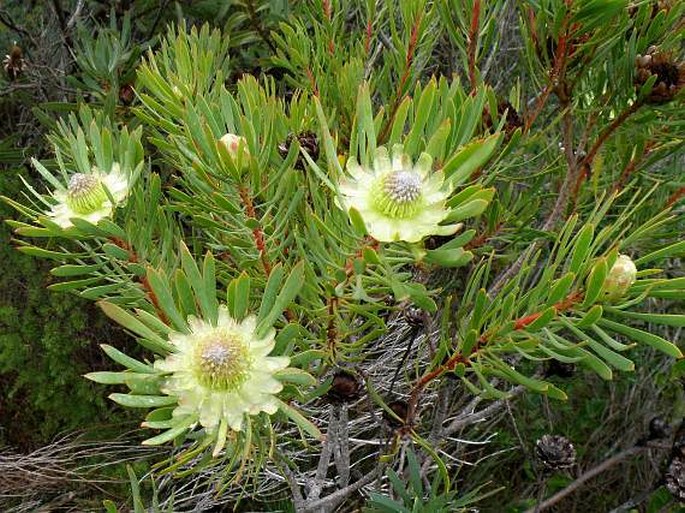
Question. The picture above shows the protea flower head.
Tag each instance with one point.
(398, 200)
(221, 372)
(89, 196)
(620, 278)
(236, 145)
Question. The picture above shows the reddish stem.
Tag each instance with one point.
(399, 95)
(458, 357)
(675, 197)
(257, 233)
(473, 43)
(369, 33)
(560, 56)
(610, 130)
(133, 258)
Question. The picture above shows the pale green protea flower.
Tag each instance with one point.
(398, 200)
(86, 196)
(620, 278)
(220, 373)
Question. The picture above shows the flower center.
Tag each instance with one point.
(398, 194)
(85, 193)
(222, 362)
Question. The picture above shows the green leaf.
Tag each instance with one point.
(113, 378)
(238, 296)
(75, 270)
(357, 222)
(455, 257)
(127, 361)
(650, 339)
(666, 319)
(291, 288)
(588, 360)
(560, 288)
(674, 250)
(169, 435)
(614, 359)
(271, 290)
(591, 317)
(165, 300)
(302, 422)
(128, 321)
(516, 377)
(543, 320)
(143, 401)
(296, 376)
(469, 209)
(582, 248)
(472, 156)
(595, 282)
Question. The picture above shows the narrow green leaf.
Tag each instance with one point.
(297, 376)
(143, 401)
(582, 247)
(165, 300)
(130, 322)
(650, 339)
(591, 317)
(302, 422)
(674, 250)
(273, 284)
(470, 209)
(543, 320)
(472, 156)
(127, 361)
(595, 282)
(560, 288)
(290, 289)
(665, 319)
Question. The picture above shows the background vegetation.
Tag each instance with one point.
(89, 51)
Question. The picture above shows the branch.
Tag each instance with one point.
(462, 422)
(329, 502)
(587, 161)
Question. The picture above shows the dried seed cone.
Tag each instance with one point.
(555, 452)
(13, 63)
(399, 408)
(675, 478)
(512, 120)
(670, 75)
(308, 141)
(345, 387)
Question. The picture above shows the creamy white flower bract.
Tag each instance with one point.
(86, 196)
(620, 278)
(398, 200)
(220, 373)
(236, 145)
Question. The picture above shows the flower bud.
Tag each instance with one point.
(236, 146)
(621, 276)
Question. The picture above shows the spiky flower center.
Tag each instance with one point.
(85, 193)
(398, 194)
(222, 362)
